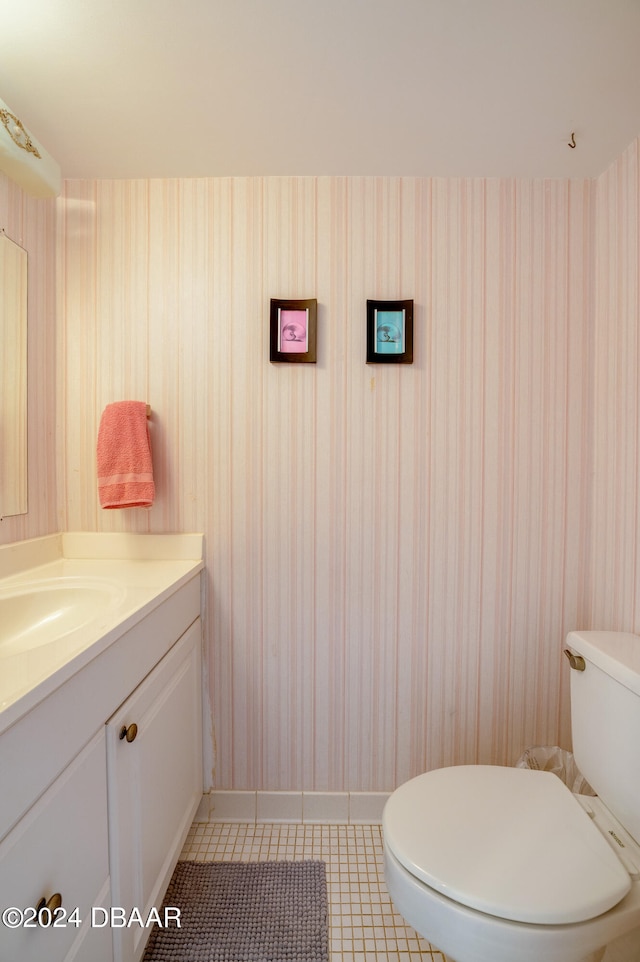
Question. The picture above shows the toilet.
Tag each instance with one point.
(493, 864)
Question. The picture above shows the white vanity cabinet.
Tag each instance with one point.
(59, 850)
(90, 821)
(154, 765)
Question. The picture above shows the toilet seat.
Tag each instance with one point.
(508, 842)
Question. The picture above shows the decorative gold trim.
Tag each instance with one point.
(15, 129)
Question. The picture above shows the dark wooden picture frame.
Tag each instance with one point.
(390, 332)
(293, 325)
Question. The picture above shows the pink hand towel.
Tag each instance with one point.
(125, 469)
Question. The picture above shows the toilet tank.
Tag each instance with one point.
(605, 719)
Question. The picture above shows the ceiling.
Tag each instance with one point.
(161, 88)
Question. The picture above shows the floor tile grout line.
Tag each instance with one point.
(363, 924)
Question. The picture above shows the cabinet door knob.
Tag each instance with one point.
(45, 909)
(128, 733)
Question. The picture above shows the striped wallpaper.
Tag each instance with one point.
(614, 576)
(394, 554)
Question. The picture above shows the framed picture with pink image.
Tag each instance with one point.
(293, 331)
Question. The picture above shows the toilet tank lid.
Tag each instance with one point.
(615, 652)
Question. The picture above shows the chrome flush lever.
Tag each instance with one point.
(576, 661)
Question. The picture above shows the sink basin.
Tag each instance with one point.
(33, 614)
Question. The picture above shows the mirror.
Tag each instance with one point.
(13, 378)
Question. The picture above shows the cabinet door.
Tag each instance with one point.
(60, 847)
(154, 784)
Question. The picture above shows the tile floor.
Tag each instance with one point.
(363, 924)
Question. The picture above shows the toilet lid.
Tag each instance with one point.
(510, 842)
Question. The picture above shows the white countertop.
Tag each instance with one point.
(145, 569)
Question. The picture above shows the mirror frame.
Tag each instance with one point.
(13, 378)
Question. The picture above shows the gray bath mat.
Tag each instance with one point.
(245, 912)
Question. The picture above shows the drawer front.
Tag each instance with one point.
(59, 846)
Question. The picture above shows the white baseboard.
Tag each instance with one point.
(319, 808)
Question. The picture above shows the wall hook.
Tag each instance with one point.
(572, 142)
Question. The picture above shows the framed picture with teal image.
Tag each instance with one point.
(389, 332)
